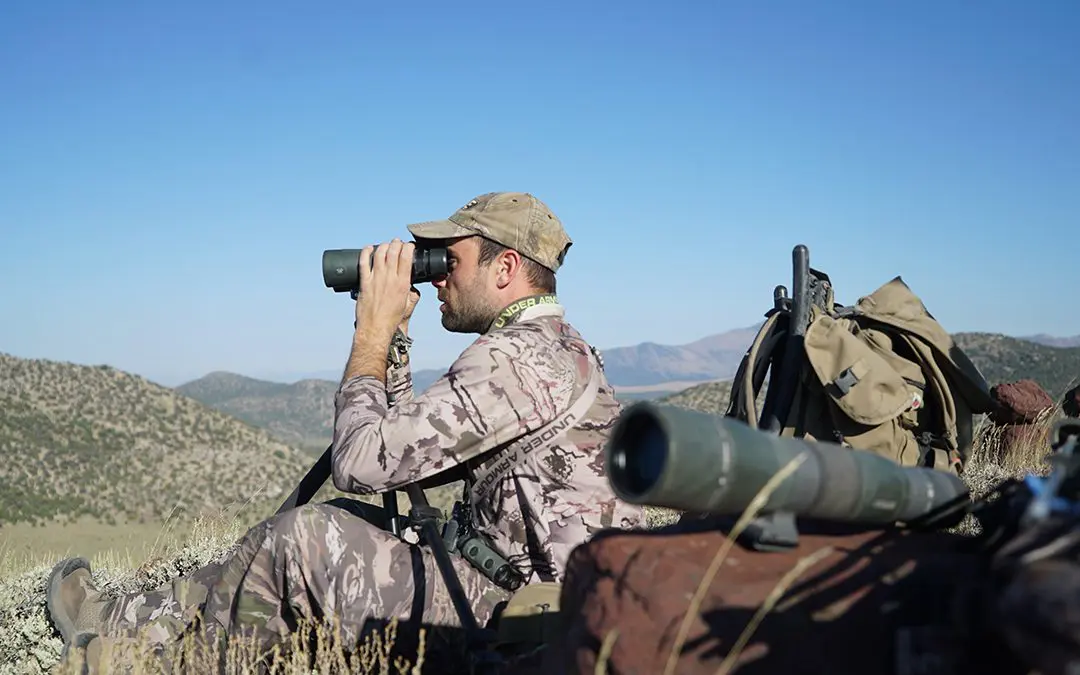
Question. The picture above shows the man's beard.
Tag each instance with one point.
(468, 314)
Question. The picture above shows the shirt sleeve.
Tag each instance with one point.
(399, 388)
(493, 393)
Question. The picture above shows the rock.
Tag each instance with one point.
(1019, 402)
(1070, 403)
(867, 606)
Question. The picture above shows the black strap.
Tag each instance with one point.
(538, 561)
(310, 483)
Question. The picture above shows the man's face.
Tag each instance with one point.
(466, 291)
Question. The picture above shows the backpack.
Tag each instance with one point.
(881, 375)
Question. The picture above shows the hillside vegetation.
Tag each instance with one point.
(1007, 359)
(94, 443)
(301, 414)
(710, 397)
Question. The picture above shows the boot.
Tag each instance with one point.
(73, 602)
(96, 655)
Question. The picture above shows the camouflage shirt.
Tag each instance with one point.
(503, 388)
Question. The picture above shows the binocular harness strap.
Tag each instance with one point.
(477, 484)
(514, 454)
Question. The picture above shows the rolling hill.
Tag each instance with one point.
(1002, 359)
(300, 413)
(710, 358)
(94, 442)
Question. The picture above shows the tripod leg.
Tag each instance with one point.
(442, 559)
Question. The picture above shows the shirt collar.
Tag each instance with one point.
(527, 308)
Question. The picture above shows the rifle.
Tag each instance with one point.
(810, 288)
(784, 365)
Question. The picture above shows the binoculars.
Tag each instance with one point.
(341, 267)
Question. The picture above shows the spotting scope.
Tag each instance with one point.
(341, 267)
(665, 455)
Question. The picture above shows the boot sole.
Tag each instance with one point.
(57, 615)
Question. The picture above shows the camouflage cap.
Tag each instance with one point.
(516, 220)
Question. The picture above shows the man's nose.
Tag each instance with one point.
(439, 281)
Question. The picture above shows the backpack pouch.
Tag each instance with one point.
(857, 379)
(868, 396)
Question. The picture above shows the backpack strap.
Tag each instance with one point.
(751, 373)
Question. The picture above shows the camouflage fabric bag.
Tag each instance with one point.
(881, 375)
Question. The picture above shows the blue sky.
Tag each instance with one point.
(171, 172)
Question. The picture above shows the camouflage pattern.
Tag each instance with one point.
(517, 220)
(333, 561)
(508, 383)
(314, 561)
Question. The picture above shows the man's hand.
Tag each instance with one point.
(385, 283)
(410, 305)
(384, 303)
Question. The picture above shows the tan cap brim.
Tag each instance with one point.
(439, 229)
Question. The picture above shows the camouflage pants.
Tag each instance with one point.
(315, 563)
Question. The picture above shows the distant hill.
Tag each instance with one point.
(1051, 341)
(710, 397)
(301, 413)
(1003, 359)
(710, 358)
(93, 441)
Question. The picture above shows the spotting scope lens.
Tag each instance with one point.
(669, 456)
(341, 267)
(638, 453)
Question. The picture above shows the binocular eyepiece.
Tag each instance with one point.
(341, 267)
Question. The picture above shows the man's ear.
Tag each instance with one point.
(507, 267)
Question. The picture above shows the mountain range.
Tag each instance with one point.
(96, 442)
(301, 413)
(1051, 341)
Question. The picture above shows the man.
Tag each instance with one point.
(522, 414)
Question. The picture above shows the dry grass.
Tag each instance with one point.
(991, 463)
(29, 645)
(312, 648)
(756, 504)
